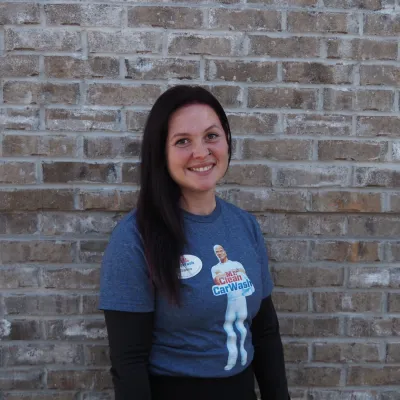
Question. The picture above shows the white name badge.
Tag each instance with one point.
(190, 266)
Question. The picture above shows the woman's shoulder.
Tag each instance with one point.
(126, 228)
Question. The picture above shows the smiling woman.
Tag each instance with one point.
(186, 287)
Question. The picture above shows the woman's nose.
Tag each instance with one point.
(200, 151)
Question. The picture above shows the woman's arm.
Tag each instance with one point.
(130, 338)
(268, 363)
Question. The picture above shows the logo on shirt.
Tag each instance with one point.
(190, 266)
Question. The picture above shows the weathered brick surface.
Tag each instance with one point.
(311, 90)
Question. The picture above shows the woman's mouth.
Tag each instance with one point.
(201, 169)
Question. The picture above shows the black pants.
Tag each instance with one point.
(237, 387)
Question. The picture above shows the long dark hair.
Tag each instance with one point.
(159, 216)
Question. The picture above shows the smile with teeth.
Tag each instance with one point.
(201, 169)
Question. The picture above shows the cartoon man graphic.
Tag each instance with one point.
(230, 278)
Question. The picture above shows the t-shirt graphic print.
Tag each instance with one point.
(230, 278)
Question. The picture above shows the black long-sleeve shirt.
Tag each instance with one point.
(130, 348)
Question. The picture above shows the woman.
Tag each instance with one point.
(185, 285)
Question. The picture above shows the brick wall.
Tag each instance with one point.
(312, 92)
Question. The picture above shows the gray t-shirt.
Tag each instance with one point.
(224, 277)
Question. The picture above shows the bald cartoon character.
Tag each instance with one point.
(230, 279)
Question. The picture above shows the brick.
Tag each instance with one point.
(92, 251)
(304, 99)
(288, 250)
(244, 20)
(111, 147)
(136, 120)
(36, 251)
(290, 302)
(19, 119)
(228, 96)
(73, 223)
(75, 68)
(393, 353)
(167, 68)
(17, 172)
(165, 17)
(394, 302)
(394, 201)
(255, 123)
(213, 45)
(332, 302)
(39, 396)
(124, 42)
(325, 22)
(122, 95)
(277, 224)
(295, 352)
(241, 71)
(110, 200)
(72, 379)
(19, 66)
(40, 93)
(362, 277)
(99, 395)
(283, 46)
(350, 394)
(97, 355)
(5, 329)
(382, 225)
(376, 177)
(389, 395)
(373, 376)
(313, 376)
(395, 152)
(352, 150)
(82, 120)
(31, 200)
(362, 4)
(342, 251)
(83, 15)
(311, 176)
(332, 201)
(346, 352)
(71, 278)
(131, 173)
(268, 200)
(309, 327)
(385, 75)
(361, 49)
(318, 125)
(382, 24)
(18, 223)
(277, 149)
(19, 277)
(42, 39)
(248, 175)
(26, 379)
(297, 3)
(394, 251)
(25, 329)
(19, 13)
(65, 172)
(42, 354)
(75, 329)
(51, 146)
(373, 327)
(378, 126)
(359, 100)
(312, 72)
(90, 304)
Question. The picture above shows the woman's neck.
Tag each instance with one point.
(198, 203)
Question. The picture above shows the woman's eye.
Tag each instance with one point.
(212, 136)
(181, 142)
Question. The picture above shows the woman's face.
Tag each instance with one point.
(197, 148)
